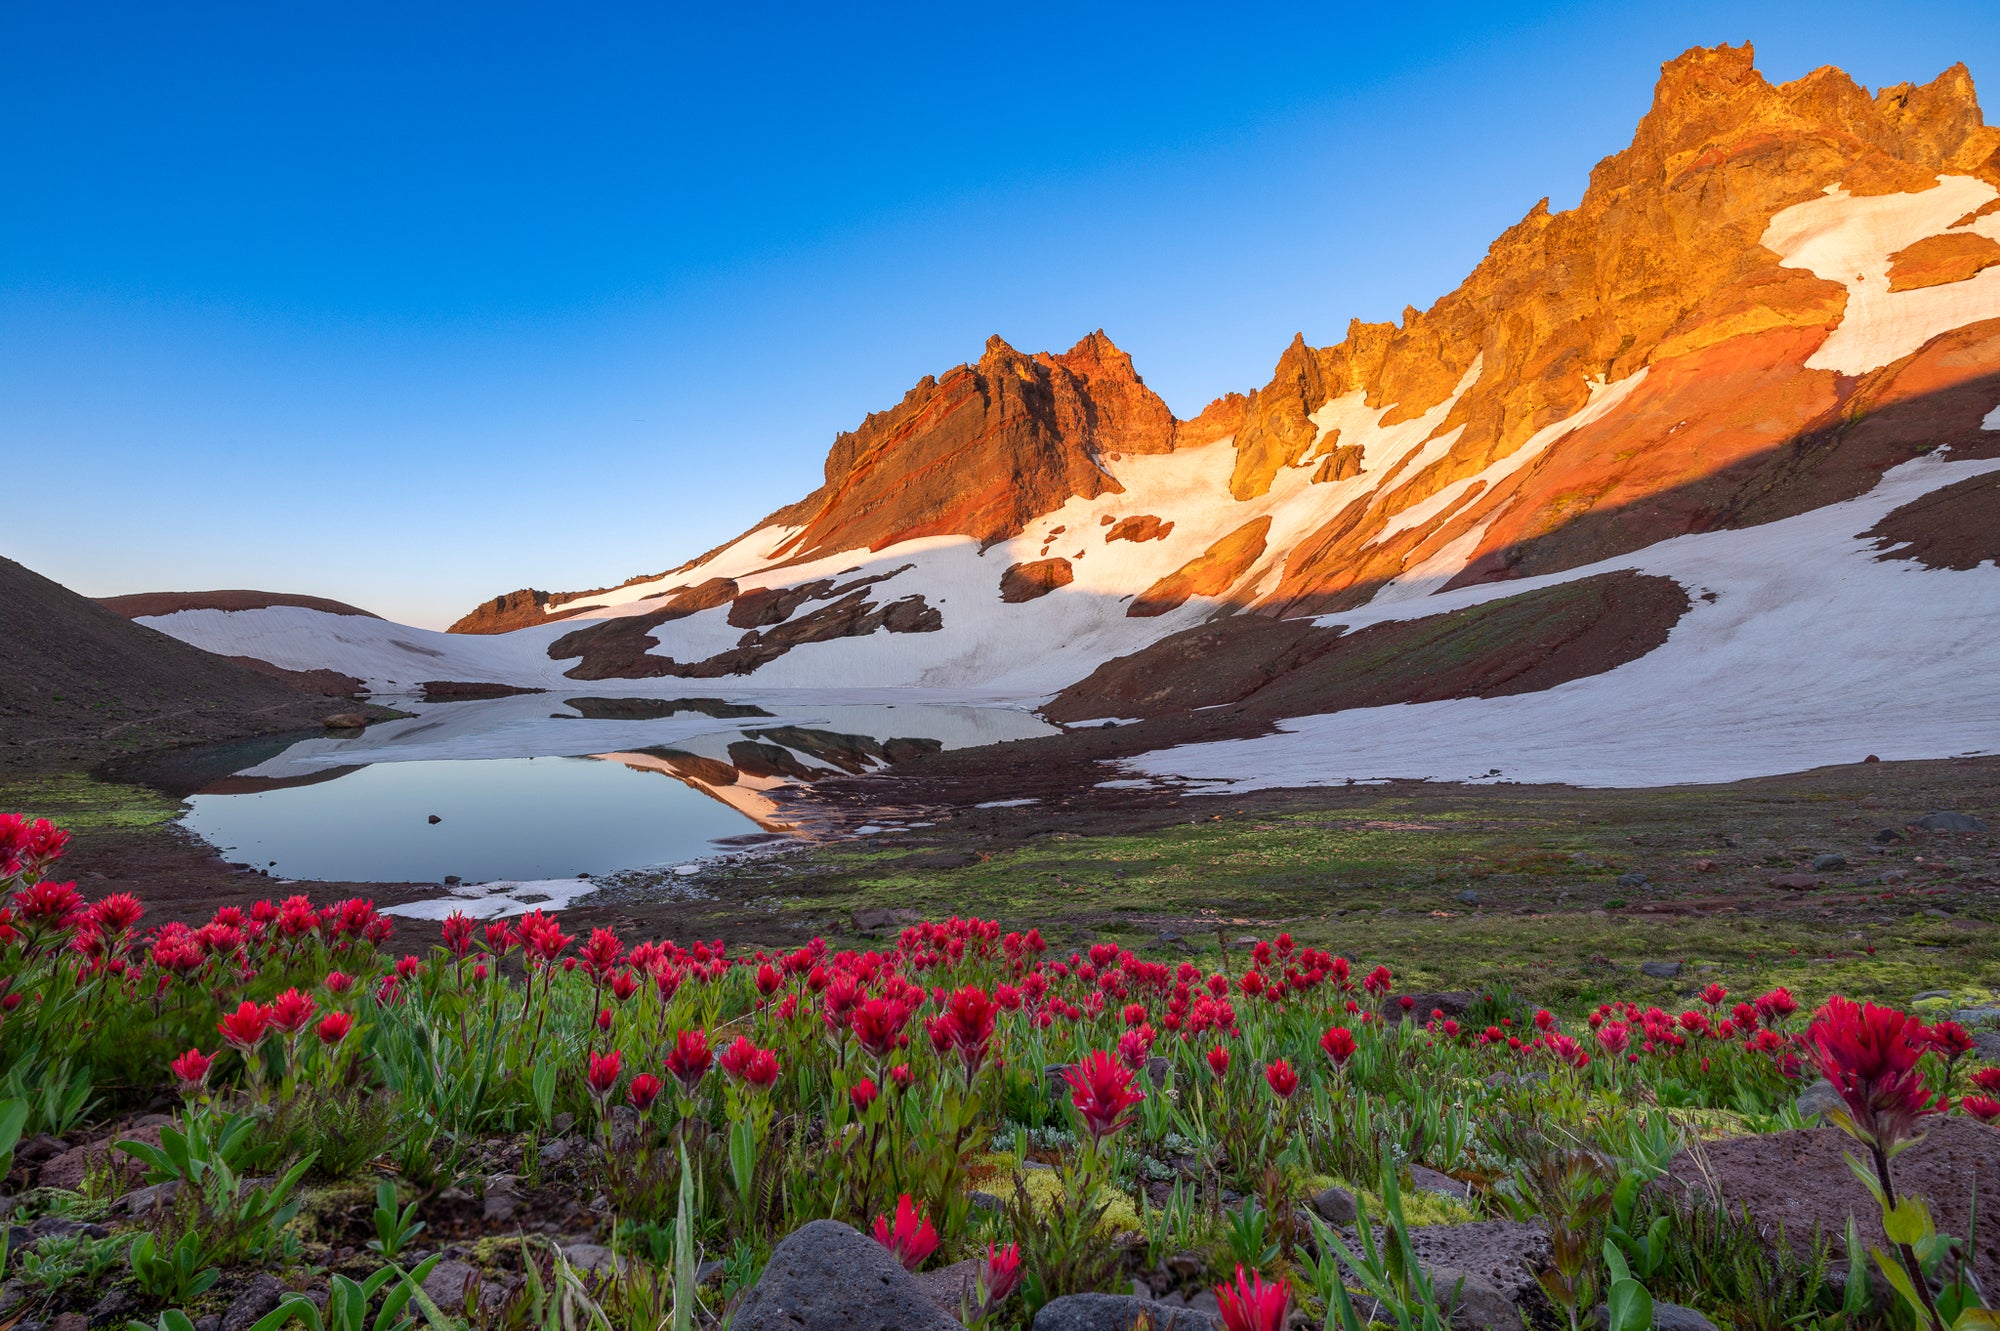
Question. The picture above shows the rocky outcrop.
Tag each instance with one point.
(1139, 527)
(1799, 1180)
(1215, 572)
(984, 450)
(1034, 579)
(1267, 669)
(143, 605)
(504, 613)
(1955, 527)
(826, 1276)
(1935, 261)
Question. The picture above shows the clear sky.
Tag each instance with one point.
(412, 304)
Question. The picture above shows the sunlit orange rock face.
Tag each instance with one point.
(1936, 261)
(1659, 265)
(983, 450)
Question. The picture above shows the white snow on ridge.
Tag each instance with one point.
(1850, 240)
(1814, 652)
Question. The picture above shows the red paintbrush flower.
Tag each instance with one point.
(1982, 1107)
(688, 1061)
(337, 983)
(863, 1093)
(601, 954)
(49, 905)
(333, 1028)
(116, 913)
(1001, 1273)
(1713, 995)
(1613, 1037)
(1988, 1080)
(602, 1074)
(1101, 1089)
(911, 1239)
(645, 1089)
(291, 1012)
(1870, 1055)
(1218, 1061)
(191, 1070)
(1135, 1047)
(878, 1026)
(245, 1028)
(458, 930)
(1338, 1042)
(1950, 1040)
(1282, 1079)
(745, 1062)
(1252, 1304)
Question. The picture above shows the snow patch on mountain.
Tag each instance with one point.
(1810, 652)
(1850, 240)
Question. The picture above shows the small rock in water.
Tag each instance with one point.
(345, 721)
(1828, 863)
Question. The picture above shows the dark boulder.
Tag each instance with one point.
(826, 1276)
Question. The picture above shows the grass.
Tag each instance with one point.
(1385, 876)
(84, 805)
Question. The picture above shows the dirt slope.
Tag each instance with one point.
(79, 681)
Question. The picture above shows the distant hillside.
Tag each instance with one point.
(80, 681)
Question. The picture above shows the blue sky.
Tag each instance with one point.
(414, 304)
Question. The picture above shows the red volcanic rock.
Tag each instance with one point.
(1339, 464)
(1956, 527)
(503, 614)
(982, 451)
(1218, 421)
(1271, 668)
(1937, 260)
(1141, 527)
(140, 605)
(1214, 573)
(1027, 582)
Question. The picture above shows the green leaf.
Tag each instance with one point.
(1909, 1222)
(1893, 1272)
(1614, 1261)
(1977, 1319)
(1630, 1306)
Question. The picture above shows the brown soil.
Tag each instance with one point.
(79, 681)
(1956, 527)
(1935, 261)
(142, 604)
(1034, 579)
(1291, 667)
(1799, 1180)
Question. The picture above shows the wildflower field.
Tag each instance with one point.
(280, 1116)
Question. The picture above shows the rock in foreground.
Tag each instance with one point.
(827, 1276)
